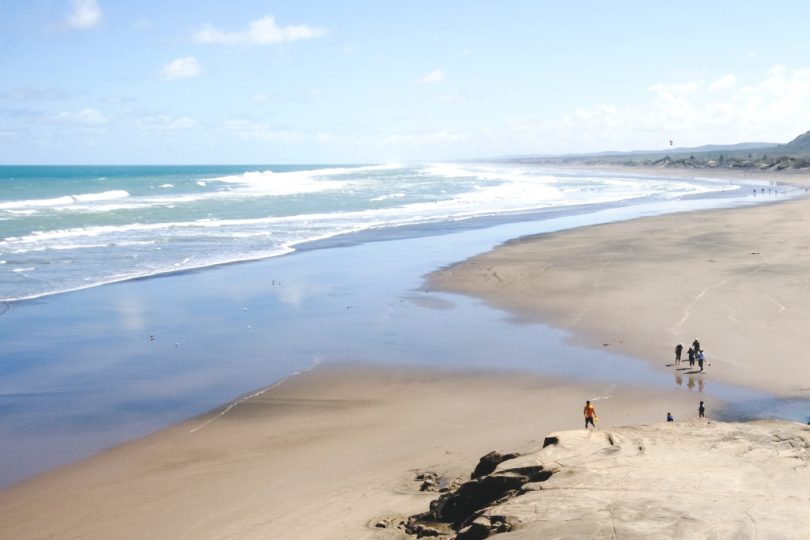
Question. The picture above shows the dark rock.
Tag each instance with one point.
(488, 463)
(429, 485)
(430, 481)
(462, 509)
(382, 524)
(548, 441)
(474, 495)
(477, 530)
(422, 531)
(535, 473)
(500, 524)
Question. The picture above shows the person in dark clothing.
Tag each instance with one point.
(678, 349)
(669, 417)
(701, 410)
(696, 345)
(691, 354)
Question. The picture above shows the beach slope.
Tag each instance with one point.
(737, 279)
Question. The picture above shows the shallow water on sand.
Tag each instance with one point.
(83, 371)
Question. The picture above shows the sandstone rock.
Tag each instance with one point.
(479, 529)
(488, 463)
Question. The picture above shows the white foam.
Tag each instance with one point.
(65, 200)
(445, 193)
(388, 197)
(303, 181)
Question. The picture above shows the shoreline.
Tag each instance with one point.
(415, 230)
(426, 400)
(326, 454)
(744, 279)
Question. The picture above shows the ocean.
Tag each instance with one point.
(64, 228)
(337, 258)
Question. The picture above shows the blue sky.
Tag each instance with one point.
(103, 81)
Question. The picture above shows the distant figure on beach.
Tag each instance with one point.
(590, 414)
(701, 358)
(669, 417)
(678, 349)
(701, 410)
(696, 345)
(691, 354)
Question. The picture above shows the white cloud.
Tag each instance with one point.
(84, 14)
(182, 68)
(775, 109)
(250, 130)
(26, 93)
(436, 75)
(166, 122)
(724, 83)
(262, 31)
(85, 117)
(426, 139)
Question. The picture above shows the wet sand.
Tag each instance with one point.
(329, 453)
(324, 455)
(737, 279)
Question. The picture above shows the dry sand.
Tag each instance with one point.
(323, 456)
(738, 279)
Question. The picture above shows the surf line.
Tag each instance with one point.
(254, 395)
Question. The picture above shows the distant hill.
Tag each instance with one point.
(799, 144)
(746, 155)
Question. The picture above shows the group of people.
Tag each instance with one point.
(591, 418)
(694, 353)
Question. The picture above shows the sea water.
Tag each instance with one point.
(85, 370)
(69, 228)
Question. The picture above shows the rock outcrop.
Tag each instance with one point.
(695, 479)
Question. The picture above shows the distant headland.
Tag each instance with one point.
(754, 156)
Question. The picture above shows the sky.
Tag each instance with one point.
(248, 81)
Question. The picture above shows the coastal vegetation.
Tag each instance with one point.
(794, 155)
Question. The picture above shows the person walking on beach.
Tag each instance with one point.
(701, 410)
(696, 345)
(701, 358)
(678, 349)
(691, 354)
(590, 415)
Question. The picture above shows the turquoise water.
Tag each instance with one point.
(68, 228)
(85, 370)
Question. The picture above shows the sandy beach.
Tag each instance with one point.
(334, 452)
(327, 454)
(737, 279)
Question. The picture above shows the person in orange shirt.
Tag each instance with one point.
(590, 414)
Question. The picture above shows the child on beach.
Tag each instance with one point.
(701, 358)
(678, 349)
(701, 410)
